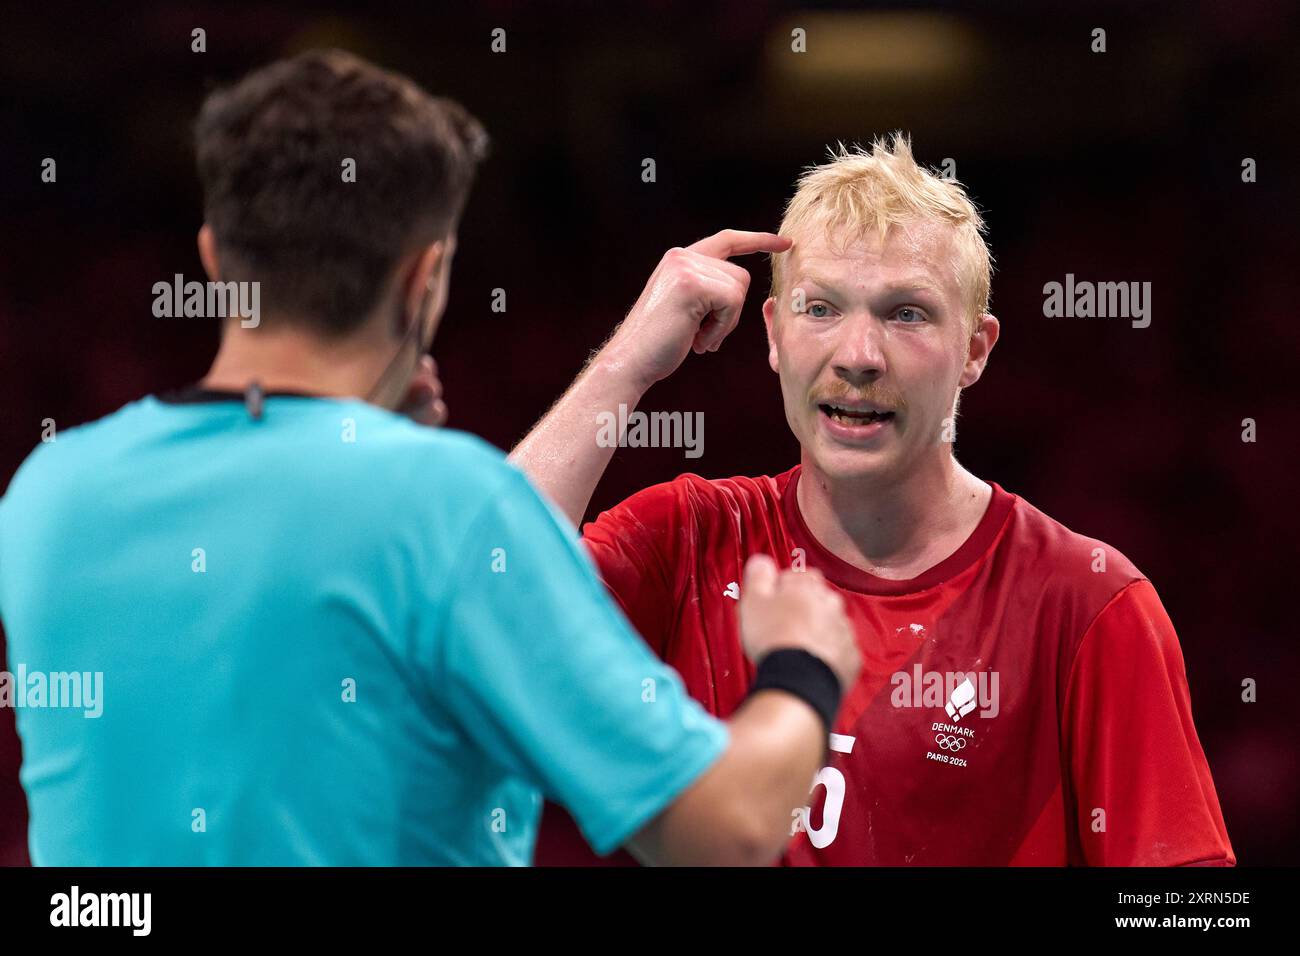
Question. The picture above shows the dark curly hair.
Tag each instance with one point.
(271, 151)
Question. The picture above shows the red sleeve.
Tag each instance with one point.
(637, 546)
(1131, 747)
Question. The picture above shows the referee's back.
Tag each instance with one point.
(322, 636)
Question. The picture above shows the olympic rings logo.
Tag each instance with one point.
(949, 742)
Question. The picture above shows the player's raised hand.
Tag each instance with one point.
(795, 609)
(692, 301)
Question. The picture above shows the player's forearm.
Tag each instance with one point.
(739, 812)
(562, 455)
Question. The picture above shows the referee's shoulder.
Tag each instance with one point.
(62, 449)
(400, 430)
(447, 452)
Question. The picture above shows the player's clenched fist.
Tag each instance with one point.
(692, 301)
(795, 609)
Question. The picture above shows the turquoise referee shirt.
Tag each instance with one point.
(328, 636)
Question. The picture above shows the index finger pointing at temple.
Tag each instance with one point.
(737, 242)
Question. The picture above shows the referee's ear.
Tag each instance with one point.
(426, 285)
(208, 253)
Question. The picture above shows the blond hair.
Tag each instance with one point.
(864, 190)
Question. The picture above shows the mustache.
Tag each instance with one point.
(874, 394)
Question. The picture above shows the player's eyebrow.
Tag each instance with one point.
(916, 283)
(821, 283)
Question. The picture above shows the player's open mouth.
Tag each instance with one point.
(861, 426)
(851, 416)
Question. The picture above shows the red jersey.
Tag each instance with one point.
(1023, 702)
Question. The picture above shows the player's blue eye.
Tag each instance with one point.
(909, 316)
(825, 310)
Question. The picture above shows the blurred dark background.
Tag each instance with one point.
(1124, 165)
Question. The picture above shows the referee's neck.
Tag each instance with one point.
(295, 359)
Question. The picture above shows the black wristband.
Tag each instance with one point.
(806, 676)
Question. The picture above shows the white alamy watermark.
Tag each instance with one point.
(651, 430)
(73, 690)
(75, 908)
(208, 300)
(957, 692)
(1100, 300)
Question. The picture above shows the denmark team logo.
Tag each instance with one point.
(961, 701)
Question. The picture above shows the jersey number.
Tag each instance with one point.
(833, 781)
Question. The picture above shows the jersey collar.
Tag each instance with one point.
(198, 395)
(842, 574)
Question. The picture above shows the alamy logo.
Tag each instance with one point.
(75, 908)
(73, 690)
(1102, 300)
(208, 300)
(957, 692)
(655, 430)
